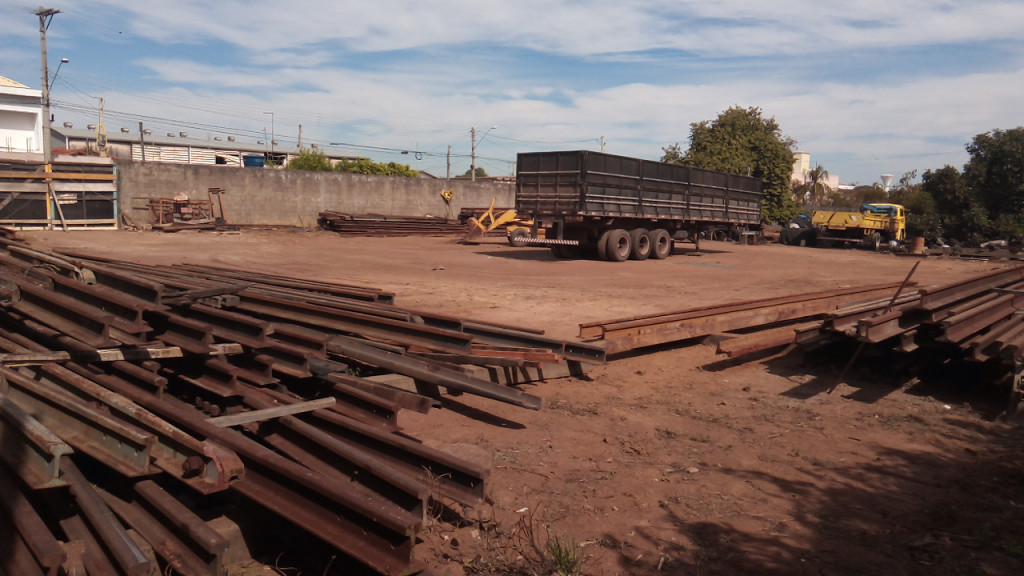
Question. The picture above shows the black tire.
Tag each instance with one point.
(516, 235)
(876, 241)
(661, 244)
(784, 238)
(618, 247)
(640, 240)
(602, 245)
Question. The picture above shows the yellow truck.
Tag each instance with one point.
(874, 225)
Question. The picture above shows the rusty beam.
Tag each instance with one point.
(29, 448)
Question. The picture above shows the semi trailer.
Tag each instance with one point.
(617, 208)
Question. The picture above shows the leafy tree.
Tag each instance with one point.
(367, 166)
(922, 217)
(995, 173)
(742, 141)
(814, 191)
(310, 160)
(480, 172)
(961, 213)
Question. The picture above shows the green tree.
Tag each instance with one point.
(743, 141)
(813, 192)
(480, 172)
(922, 216)
(961, 213)
(310, 160)
(367, 166)
(995, 173)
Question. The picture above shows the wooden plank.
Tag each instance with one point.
(269, 413)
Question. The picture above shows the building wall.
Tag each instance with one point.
(294, 198)
(21, 128)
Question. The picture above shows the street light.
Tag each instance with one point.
(63, 61)
(472, 156)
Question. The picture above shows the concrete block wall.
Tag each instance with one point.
(264, 196)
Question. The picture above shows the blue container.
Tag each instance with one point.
(253, 161)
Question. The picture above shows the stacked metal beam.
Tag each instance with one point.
(380, 225)
(140, 406)
(982, 316)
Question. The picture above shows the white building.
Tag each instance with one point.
(21, 117)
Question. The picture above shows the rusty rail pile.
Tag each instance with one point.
(626, 334)
(379, 225)
(982, 316)
(141, 407)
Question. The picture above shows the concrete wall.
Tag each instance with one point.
(295, 197)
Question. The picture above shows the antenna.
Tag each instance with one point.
(887, 181)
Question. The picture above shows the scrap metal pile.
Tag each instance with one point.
(982, 317)
(154, 418)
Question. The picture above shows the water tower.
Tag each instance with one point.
(887, 182)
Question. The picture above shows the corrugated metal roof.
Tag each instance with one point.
(11, 83)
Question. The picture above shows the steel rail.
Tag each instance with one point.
(433, 373)
(125, 552)
(29, 524)
(181, 517)
(29, 448)
(113, 441)
(846, 296)
(934, 298)
(323, 317)
(635, 335)
(398, 459)
(93, 557)
(178, 555)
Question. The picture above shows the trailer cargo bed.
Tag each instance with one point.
(579, 196)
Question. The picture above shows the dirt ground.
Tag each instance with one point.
(678, 461)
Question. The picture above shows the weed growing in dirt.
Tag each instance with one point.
(564, 557)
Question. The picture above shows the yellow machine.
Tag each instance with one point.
(478, 227)
(873, 225)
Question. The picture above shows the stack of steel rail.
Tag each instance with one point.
(152, 418)
(982, 317)
(379, 225)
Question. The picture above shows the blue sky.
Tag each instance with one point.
(866, 87)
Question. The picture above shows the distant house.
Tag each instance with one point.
(21, 117)
(175, 148)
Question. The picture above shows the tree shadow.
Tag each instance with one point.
(908, 512)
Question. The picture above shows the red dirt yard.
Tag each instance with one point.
(675, 460)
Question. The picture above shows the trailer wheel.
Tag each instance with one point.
(640, 239)
(661, 244)
(602, 245)
(619, 246)
(516, 236)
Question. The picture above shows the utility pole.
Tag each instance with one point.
(300, 137)
(472, 155)
(602, 144)
(448, 174)
(45, 15)
(142, 142)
